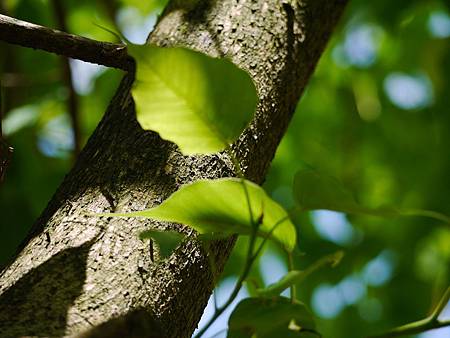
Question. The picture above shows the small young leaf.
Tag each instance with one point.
(167, 240)
(220, 206)
(199, 102)
(313, 191)
(296, 276)
(269, 318)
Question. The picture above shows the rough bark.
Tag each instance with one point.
(76, 272)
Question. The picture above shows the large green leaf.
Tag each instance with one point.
(313, 191)
(220, 206)
(270, 318)
(199, 102)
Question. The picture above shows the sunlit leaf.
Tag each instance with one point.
(199, 102)
(220, 206)
(167, 240)
(297, 276)
(270, 318)
(314, 191)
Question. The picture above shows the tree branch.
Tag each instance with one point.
(429, 323)
(29, 35)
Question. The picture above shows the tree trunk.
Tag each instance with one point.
(76, 271)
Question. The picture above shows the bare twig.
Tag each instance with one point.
(72, 100)
(429, 323)
(51, 40)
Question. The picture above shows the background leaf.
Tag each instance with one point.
(269, 318)
(313, 190)
(199, 102)
(220, 206)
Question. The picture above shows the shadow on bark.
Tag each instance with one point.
(136, 324)
(37, 304)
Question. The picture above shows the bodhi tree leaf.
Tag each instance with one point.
(270, 318)
(313, 191)
(297, 276)
(220, 206)
(199, 102)
(167, 240)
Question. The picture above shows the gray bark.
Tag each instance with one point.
(81, 275)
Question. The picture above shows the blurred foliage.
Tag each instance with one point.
(375, 115)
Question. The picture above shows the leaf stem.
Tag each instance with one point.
(248, 264)
(427, 213)
(250, 259)
(293, 287)
(441, 304)
(429, 323)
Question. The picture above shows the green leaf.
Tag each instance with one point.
(270, 318)
(297, 276)
(167, 241)
(220, 206)
(199, 102)
(313, 190)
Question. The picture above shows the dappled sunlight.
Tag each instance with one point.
(378, 271)
(439, 24)
(134, 26)
(408, 91)
(56, 137)
(327, 301)
(272, 268)
(334, 227)
(84, 75)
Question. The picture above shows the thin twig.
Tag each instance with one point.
(30, 35)
(218, 312)
(441, 304)
(72, 100)
(429, 323)
(250, 259)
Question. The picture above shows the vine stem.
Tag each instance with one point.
(429, 323)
